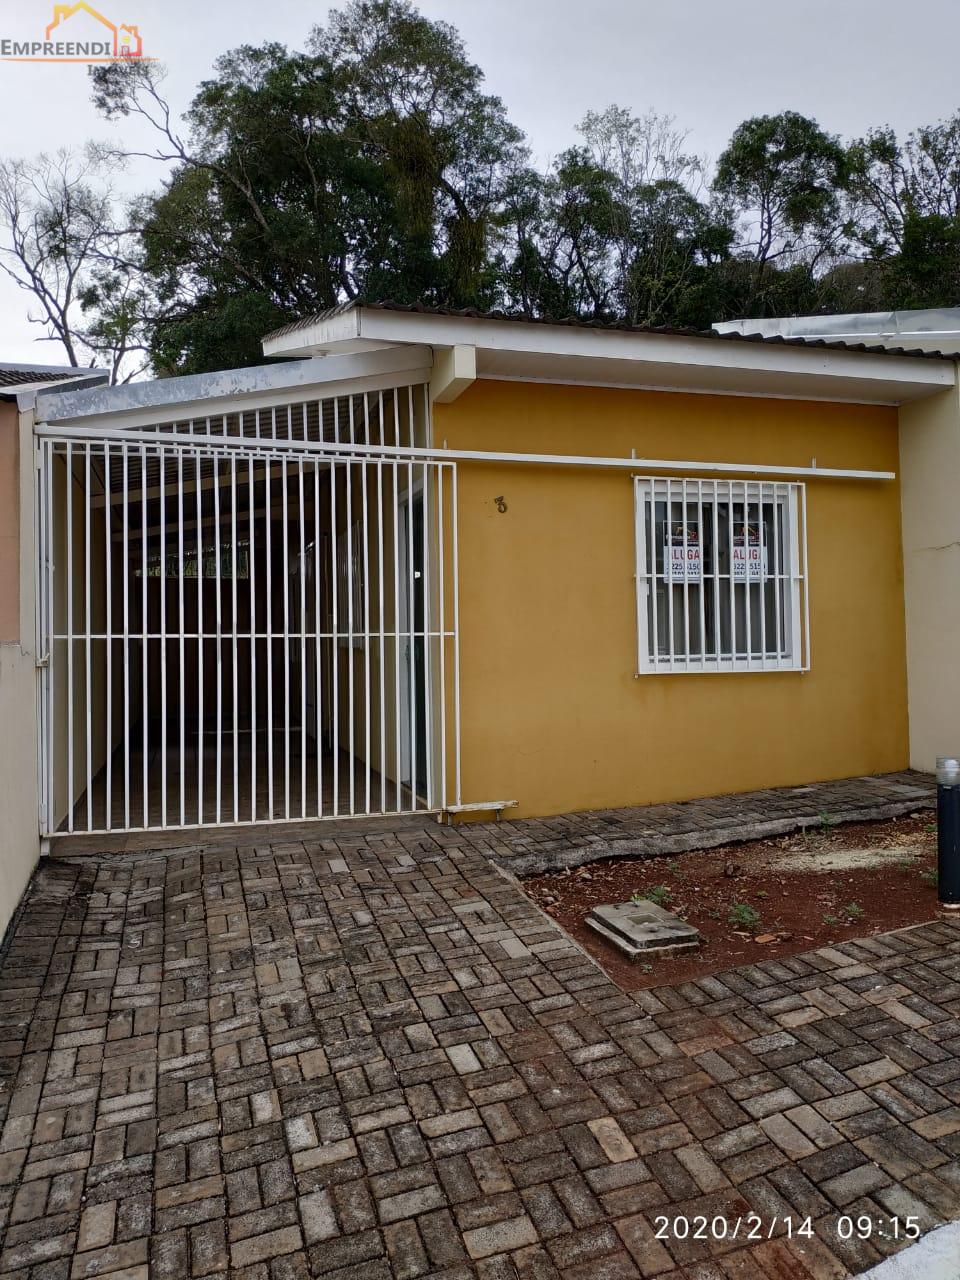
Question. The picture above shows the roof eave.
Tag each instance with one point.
(210, 394)
(620, 356)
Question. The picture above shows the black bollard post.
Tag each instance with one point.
(948, 833)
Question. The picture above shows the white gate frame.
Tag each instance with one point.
(361, 683)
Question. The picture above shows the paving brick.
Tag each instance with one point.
(410, 1204)
(402, 1069)
(408, 1258)
(647, 1252)
(318, 1217)
(850, 1186)
(97, 1225)
(940, 1125)
(260, 1248)
(787, 1136)
(616, 1146)
(500, 1237)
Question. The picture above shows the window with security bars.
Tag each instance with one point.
(721, 575)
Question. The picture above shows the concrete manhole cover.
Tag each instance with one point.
(642, 929)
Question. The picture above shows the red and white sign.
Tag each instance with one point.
(749, 553)
(682, 559)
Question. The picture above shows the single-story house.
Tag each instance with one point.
(422, 561)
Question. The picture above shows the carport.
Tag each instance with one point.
(248, 600)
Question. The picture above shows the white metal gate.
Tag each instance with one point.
(246, 620)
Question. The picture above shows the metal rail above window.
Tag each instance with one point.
(721, 575)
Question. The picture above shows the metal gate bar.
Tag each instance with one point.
(306, 666)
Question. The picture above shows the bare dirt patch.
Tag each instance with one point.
(759, 900)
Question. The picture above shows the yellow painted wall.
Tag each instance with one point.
(553, 715)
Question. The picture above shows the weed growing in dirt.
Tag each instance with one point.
(853, 911)
(659, 895)
(828, 820)
(930, 828)
(929, 876)
(831, 919)
(743, 916)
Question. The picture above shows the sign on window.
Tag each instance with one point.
(682, 559)
(749, 553)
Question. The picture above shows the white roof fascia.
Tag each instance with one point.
(338, 331)
(212, 394)
(379, 326)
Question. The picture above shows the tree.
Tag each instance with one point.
(892, 182)
(676, 242)
(62, 245)
(641, 150)
(372, 163)
(905, 212)
(784, 176)
(417, 108)
(623, 231)
(587, 221)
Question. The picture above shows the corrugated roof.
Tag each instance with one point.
(577, 322)
(13, 376)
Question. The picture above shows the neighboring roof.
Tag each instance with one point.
(17, 377)
(20, 381)
(721, 332)
(17, 374)
(935, 329)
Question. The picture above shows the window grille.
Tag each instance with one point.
(721, 575)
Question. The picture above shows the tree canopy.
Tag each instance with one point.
(372, 162)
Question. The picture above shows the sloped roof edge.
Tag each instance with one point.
(575, 322)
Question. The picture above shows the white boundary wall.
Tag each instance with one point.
(19, 828)
(930, 513)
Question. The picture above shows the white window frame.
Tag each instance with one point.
(782, 580)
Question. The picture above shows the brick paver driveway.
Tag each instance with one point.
(376, 1058)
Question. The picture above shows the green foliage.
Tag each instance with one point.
(743, 916)
(830, 919)
(786, 174)
(659, 894)
(853, 911)
(930, 876)
(373, 163)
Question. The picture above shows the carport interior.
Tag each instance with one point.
(244, 619)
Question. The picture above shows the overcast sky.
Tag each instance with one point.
(710, 63)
